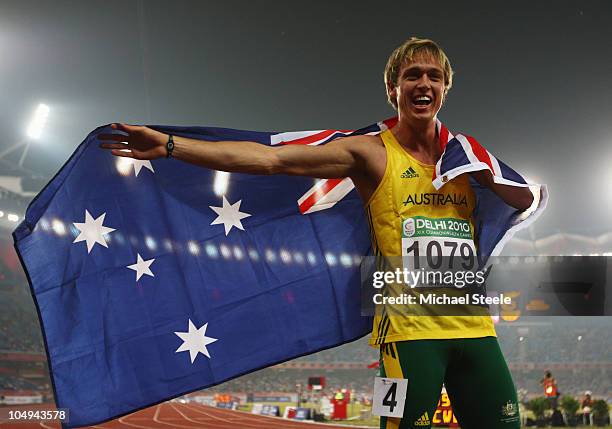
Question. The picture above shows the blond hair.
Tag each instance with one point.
(406, 52)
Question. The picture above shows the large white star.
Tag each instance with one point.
(92, 231)
(195, 340)
(142, 267)
(229, 215)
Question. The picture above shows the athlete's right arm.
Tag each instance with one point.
(341, 158)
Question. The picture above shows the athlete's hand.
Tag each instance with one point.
(484, 177)
(519, 198)
(139, 143)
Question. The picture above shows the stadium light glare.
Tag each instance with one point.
(285, 256)
(193, 248)
(58, 227)
(44, 224)
(346, 260)
(12, 217)
(533, 179)
(253, 254)
(221, 183)
(38, 121)
(238, 253)
(225, 251)
(298, 257)
(124, 165)
(211, 251)
(270, 255)
(150, 242)
(1, 213)
(119, 237)
(331, 259)
(579, 337)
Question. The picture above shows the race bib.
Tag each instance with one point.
(389, 396)
(437, 243)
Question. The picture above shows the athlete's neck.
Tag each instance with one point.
(420, 139)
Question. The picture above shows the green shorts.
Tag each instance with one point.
(473, 371)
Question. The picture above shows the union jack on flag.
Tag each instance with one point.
(462, 154)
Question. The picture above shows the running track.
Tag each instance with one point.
(188, 416)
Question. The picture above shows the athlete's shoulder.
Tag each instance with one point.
(362, 142)
(369, 148)
(360, 138)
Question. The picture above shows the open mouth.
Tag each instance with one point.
(422, 101)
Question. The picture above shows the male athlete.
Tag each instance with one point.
(460, 351)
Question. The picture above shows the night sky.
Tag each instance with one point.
(532, 79)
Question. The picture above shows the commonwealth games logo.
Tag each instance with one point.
(409, 227)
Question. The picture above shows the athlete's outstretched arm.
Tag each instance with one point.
(337, 159)
(519, 198)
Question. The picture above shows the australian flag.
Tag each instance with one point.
(153, 279)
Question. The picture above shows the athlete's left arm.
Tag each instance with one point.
(517, 197)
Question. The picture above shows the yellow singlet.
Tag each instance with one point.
(404, 201)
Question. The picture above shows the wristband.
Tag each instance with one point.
(170, 146)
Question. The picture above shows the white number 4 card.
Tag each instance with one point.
(389, 396)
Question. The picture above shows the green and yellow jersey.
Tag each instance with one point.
(405, 212)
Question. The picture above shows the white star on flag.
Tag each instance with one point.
(92, 231)
(195, 340)
(229, 215)
(137, 163)
(142, 267)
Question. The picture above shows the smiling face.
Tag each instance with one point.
(418, 75)
(419, 90)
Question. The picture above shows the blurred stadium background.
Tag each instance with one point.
(538, 97)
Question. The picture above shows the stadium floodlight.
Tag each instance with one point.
(1, 213)
(38, 121)
(12, 217)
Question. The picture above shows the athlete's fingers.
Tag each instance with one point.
(124, 127)
(114, 146)
(123, 153)
(113, 137)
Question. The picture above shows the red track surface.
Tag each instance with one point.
(187, 416)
